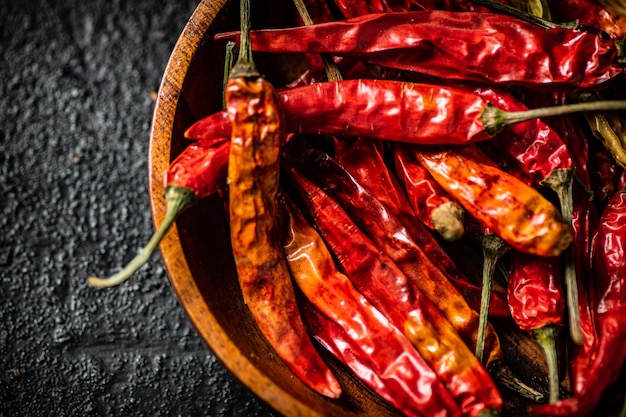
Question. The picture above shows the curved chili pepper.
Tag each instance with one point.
(351, 328)
(397, 294)
(362, 158)
(253, 178)
(432, 205)
(517, 213)
(199, 171)
(393, 110)
(609, 268)
(470, 46)
(537, 304)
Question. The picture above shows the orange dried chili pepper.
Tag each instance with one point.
(253, 178)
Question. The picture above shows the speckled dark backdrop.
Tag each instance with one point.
(77, 82)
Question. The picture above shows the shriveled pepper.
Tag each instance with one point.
(351, 328)
(431, 203)
(199, 171)
(394, 110)
(609, 268)
(253, 179)
(471, 46)
(397, 295)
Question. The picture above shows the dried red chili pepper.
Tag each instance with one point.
(467, 46)
(393, 110)
(253, 178)
(609, 268)
(537, 305)
(364, 160)
(432, 205)
(397, 296)
(604, 173)
(196, 173)
(517, 213)
(355, 331)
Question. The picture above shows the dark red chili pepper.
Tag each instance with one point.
(605, 174)
(397, 296)
(351, 8)
(393, 110)
(199, 171)
(363, 159)
(432, 205)
(537, 304)
(472, 46)
(609, 270)
(253, 179)
(351, 328)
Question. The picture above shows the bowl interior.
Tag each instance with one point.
(196, 252)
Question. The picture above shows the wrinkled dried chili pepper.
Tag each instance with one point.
(514, 211)
(354, 330)
(537, 305)
(196, 173)
(604, 173)
(609, 268)
(393, 110)
(365, 162)
(431, 203)
(458, 45)
(397, 295)
(253, 179)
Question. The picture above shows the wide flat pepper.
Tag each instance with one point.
(253, 180)
(351, 328)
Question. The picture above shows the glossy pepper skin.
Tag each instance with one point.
(609, 268)
(351, 328)
(363, 158)
(517, 213)
(253, 178)
(471, 46)
(397, 295)
(391, 110)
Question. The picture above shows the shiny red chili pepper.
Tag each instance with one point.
(609, 269)
(471, 46)
(364, 160)
(199, 171)
(398, 293)
(351, 328)
(537, 304)
(431, 203)
(393, 110)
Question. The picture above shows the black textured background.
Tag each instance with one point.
(77, 83)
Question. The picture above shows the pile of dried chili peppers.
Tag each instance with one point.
(443, 172)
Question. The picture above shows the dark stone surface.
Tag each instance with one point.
(76, 80)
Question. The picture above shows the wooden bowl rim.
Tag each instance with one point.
(171, 249)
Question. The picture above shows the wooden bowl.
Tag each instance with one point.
(196, 251)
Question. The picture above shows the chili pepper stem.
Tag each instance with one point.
(493, 249)
(244, 67)
(546, 336)
(228, 64)
(495, 119)
(178, 199)
(503, 375)
(561, 181)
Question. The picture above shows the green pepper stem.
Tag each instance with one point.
(228, 65)
(503, 376)
(527, 17)
(561, 181)
(332, 71)
(495, 119)
(493, 249)
(546, 336)
(244, 67)
(178, 199)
